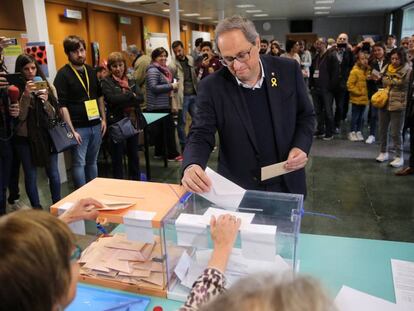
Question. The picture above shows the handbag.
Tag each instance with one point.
(61, 136)
(122, 130)
(380, 98)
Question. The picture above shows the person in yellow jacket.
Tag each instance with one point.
(358, 95)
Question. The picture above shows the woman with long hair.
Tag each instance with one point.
(396, 76)
(33, 144)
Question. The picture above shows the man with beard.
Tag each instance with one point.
(183, 69)
(264, 46)
(82, 109)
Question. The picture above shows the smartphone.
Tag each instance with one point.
(11, 41)
(14, 78)
(342, 45)
(40, 85)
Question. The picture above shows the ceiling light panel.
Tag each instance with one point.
(260, 15)
(191, 14)
(245, 6)
(253, 11)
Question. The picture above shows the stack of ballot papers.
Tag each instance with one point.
(118, 259)
(190, 268)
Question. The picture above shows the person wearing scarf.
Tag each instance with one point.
(123, 99)
(396, 77)
(160, 88)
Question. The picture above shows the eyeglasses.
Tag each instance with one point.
(76, 254)
(241, 57)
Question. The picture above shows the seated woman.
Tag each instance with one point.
(32, 140)
(123, 101)
(38, 262)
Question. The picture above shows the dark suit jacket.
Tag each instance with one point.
(222, 107)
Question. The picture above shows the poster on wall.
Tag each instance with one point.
(156, 40)
(95, 54)
(38, 51)
(10, 55)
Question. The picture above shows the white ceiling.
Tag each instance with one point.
(276, 9)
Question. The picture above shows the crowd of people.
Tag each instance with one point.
(95, 101)
(341, 75)
(93, 105)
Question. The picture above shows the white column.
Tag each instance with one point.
(174, 20)
(220, 15)
(36, 28)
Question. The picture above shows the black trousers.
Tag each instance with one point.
(165, 127)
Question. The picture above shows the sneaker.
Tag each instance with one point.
(370, 139)
(397, 162)
(319, 135)
(176, 159)
(352, 136)
(327, 138)
(383, 156)
(359, 136)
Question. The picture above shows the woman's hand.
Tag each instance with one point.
(43, 95)
(175, 86)
(224, 231)
(84, 209)
(30, 87)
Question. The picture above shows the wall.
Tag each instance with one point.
(328, 27)
(11, 15)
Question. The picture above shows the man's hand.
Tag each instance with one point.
(196, 180)
(103, 127)
(14, 110)
(84, 209)
(296, 160)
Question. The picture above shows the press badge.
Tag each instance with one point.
(92, 109)
(316, 74)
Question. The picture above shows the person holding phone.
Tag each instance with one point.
(8, 111)
(38, 105)
(210, 62)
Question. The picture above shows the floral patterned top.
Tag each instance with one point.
(210, 284)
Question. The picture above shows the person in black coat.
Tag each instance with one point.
(260, 108)
(123, 101)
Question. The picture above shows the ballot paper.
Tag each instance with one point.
(182, 266)
(274, 170)
(191, 230)
(138, 226)
(113, 205)
(77, 227)
(246, 218)
(349, 299)
(223, 192)
(258, 241)
(403, 277)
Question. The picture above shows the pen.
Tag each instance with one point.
(101, 229)
(185, 197)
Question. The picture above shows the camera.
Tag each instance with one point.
(342, 45)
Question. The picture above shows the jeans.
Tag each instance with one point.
(189, 105)
(323, 101)
(373, 120)
(30, 174)
(85, 155)
(130, 146)
(6, 156)
(14, 191)
(357, 117)
(395, 121)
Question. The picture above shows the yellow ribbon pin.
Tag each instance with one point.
(274, 82)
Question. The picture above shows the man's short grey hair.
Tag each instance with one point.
(237, 22)
(132, 49)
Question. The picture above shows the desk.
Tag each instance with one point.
(152, 118)
(359, 263)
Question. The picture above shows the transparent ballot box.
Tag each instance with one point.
(266, 242)
(127, 251)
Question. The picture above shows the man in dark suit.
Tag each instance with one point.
(259, 106)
